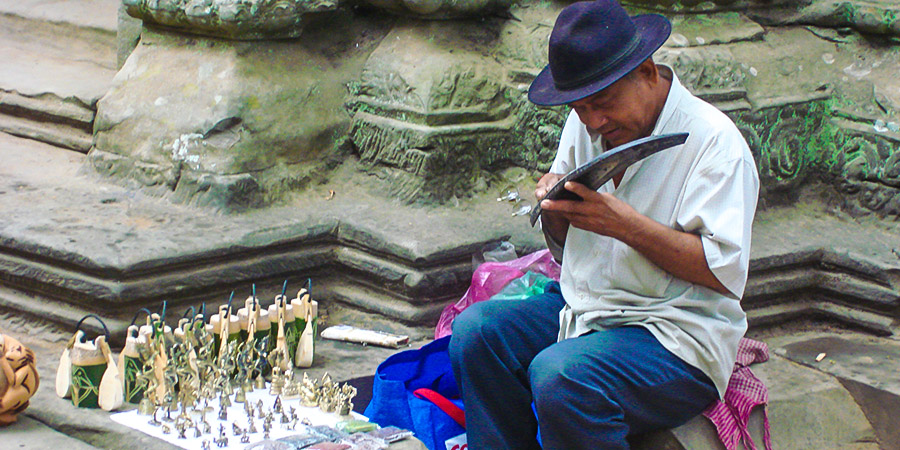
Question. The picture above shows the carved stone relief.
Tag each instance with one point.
(781, 141)
(711, 73)
(868, 172)
(231, 19)
(439, 108)
(796, 143)
(437, 117)
(440, 9)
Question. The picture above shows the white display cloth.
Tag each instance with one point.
(236, 414)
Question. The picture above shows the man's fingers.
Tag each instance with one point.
(563, 206)
(579, 189)
(545, 183)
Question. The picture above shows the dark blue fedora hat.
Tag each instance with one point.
(593, 45)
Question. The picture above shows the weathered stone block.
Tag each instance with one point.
(232, 19)
(441, 9)
(232, 121)
(436, 116)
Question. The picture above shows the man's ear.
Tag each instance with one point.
(648, 71)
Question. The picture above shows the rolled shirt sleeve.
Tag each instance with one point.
(719, 205)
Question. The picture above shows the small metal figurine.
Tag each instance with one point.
(236, 429)
(326, 383)
(223, 414)
(166, 429)
(244, 438)
(285, 418)
(145, 406)
(240, 396)
(259, 408)
(222, 440)
(267, 426)
(277, 383)
(309, 392)
(345, 397)
(153, 421)
(181, 428)
(224, 401)
(277, 406)
(291, 389)
(251, 426)
(205, 445)
(326, 404)
(171, 405)
(206, 426)
(197, 433)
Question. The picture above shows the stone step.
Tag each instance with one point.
(30, 434)
(58, 134)
(84, 14)
(59, 59)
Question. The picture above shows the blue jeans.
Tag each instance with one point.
(589, 392)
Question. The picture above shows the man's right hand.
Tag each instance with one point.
(553, 223)
(545, 183)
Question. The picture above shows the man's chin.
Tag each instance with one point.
(617, 137)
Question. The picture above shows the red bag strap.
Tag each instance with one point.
(455, 412)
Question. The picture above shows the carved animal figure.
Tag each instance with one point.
(18, 378)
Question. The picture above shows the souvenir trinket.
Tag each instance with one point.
(90, 371)
(306, 322)
(391, 434)
(130, 361)
(18, 378)
(270, 445)
(302, 440)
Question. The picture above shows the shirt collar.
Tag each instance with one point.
(676, 93)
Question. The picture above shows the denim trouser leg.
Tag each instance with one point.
(590, 392)
(492, 346)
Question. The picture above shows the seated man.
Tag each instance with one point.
(642, 330)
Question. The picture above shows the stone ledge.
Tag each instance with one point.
(89, 14)
(807, 409)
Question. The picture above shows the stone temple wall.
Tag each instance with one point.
(233, 104)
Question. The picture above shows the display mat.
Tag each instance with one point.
(236, 414)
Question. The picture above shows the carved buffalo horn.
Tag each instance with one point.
(600, 169)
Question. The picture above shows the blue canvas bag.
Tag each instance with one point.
(434, 413)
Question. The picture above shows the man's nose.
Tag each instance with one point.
(594, 120)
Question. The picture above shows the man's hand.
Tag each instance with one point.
(599, 213)
(676, 252)
(545, 183)
(555, 225)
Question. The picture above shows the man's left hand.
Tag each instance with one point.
(676, 252)
(600, 213)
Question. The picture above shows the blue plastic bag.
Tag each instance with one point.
(393, 401)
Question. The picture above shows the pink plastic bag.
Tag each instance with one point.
(490, 278)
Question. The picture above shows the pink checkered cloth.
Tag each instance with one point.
(732, 414)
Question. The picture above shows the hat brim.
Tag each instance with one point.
(654, 30)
